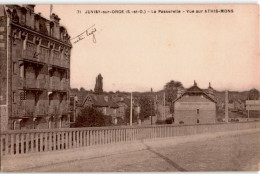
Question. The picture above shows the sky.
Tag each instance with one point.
(137, 52)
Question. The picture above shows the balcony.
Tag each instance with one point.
(58, 110)
(38, 84)
(57, 59)
(64, 84)
(59, 85)
(33, 55)
(28, 109)
(65, 63)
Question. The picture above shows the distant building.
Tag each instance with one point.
(104, 103)
(35, 69)
(195, 106)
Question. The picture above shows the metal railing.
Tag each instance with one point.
(35, 141)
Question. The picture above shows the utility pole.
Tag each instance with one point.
(164, 105)
(74, 109)
(226, 106)
(151, 106)
(131, 107)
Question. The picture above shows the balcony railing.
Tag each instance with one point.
(57, 110)
(36, 84)
(29, 109)
(59, 85)
(34, 55)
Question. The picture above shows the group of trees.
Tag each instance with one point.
(253, 94)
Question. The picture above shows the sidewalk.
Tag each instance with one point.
(30, 161)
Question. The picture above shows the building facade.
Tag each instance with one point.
(195, 106)
(35, 69)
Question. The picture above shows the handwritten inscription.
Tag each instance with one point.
(88, 32)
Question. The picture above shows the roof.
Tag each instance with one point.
(195, 90)
(100, 101)
(127, 101)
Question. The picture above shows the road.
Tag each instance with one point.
(238, 152)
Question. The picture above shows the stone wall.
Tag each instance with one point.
(3, 70)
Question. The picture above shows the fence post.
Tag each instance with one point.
(22, 143)
(70, 139)
(17, 142)
(12, 144)
(27, 143)
(41, 142)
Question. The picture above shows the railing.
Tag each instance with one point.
(33, 83)
(34, 141)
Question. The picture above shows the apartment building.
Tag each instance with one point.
(35, 69)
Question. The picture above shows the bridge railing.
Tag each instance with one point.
(36, 141)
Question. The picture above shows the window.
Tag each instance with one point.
(37, 96)
(198, 121)
(13, 125)
(13, 97)
(23, 16)
(44, 53)
(21, 71)
(198, 111)
(51, 29)
(50, 98)
(14, 66)
(49, 124)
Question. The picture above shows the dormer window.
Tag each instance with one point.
(51, 29)
(23, 16)
(62, 31)
(36, 22)
(106, 98)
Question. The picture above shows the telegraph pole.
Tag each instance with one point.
(226, 106)
(151, 106)
(131, 107)
(164, 105)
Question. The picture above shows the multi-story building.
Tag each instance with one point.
(35, 69)
(195, 106)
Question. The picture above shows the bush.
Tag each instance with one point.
(91, 117)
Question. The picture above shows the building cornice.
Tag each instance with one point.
(42, 35)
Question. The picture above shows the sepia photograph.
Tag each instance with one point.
(129, 88)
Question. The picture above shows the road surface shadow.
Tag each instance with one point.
(175, 165)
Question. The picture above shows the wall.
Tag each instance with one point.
(194, 108)
(3, 70)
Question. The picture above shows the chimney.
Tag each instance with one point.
(30, 7)
(195, 83)
(210, 90)
(55, 18)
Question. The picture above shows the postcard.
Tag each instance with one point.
(130, 88)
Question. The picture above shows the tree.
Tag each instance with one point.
(253, 94)
(127, 116)
(146, 107)
(171, 89)
(90, 117)
(99, 84)
(82, 89)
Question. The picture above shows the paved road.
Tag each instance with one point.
(239, 152)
